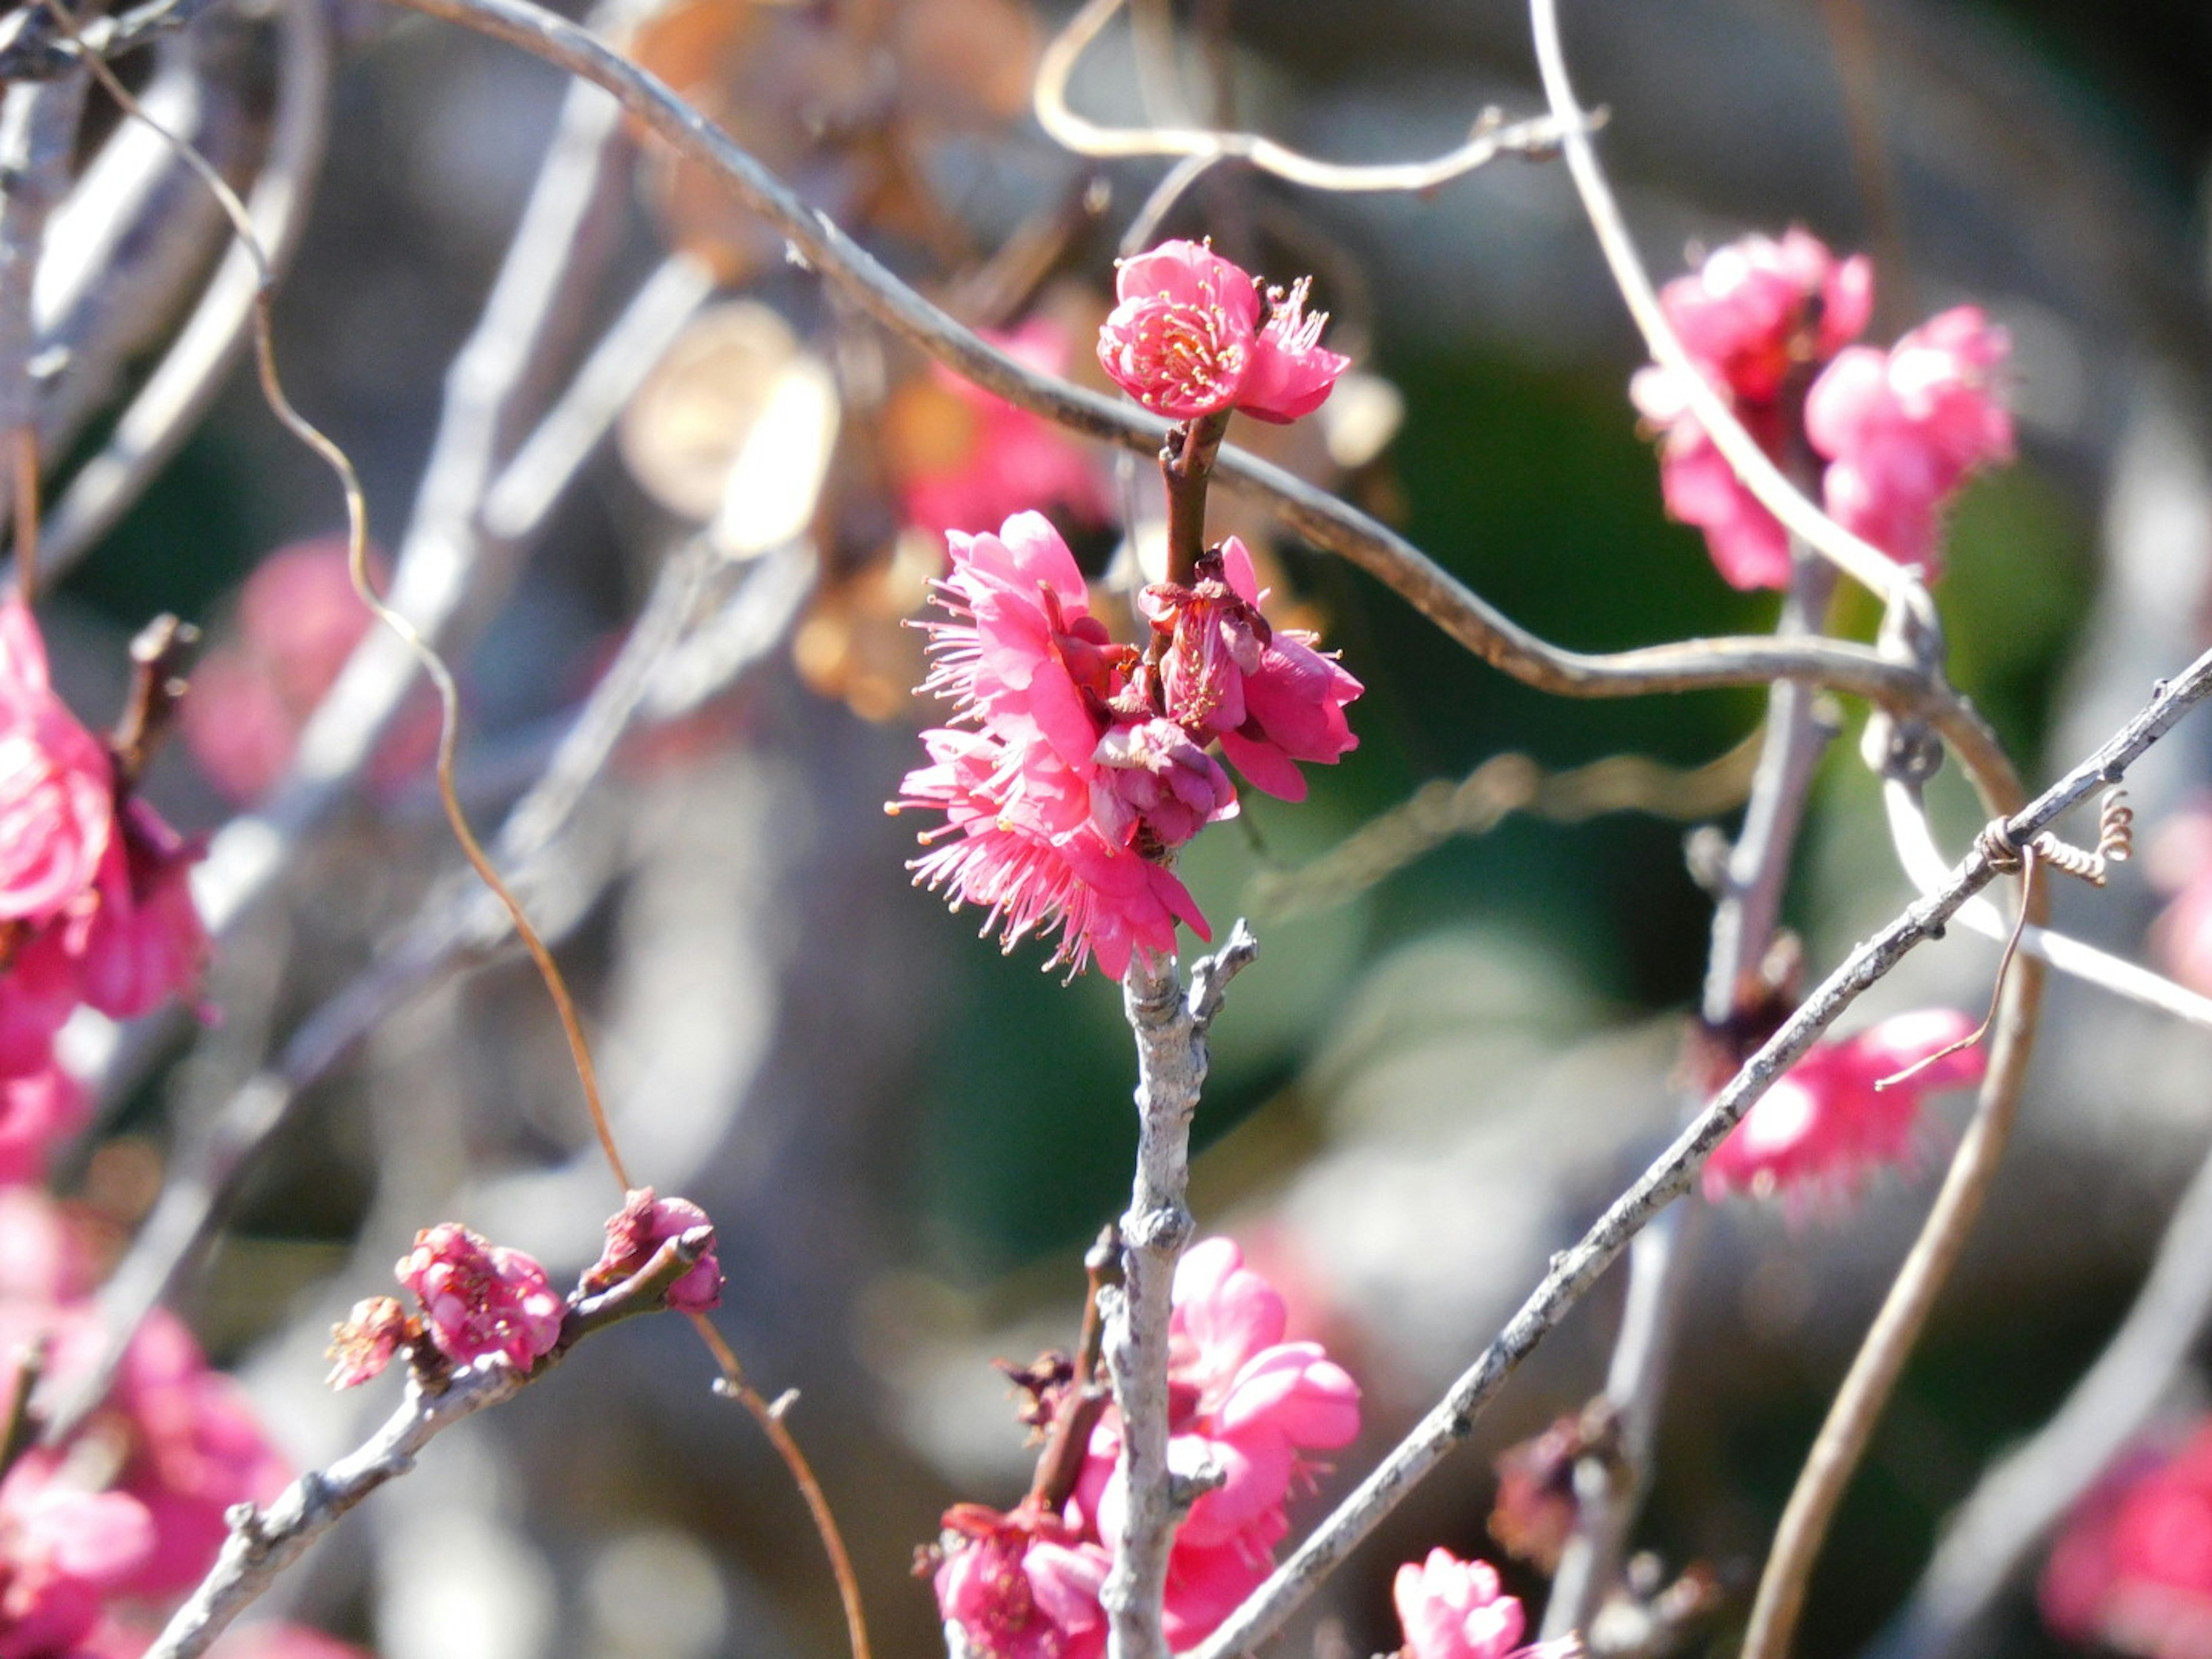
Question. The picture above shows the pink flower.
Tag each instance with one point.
(2132, 1571)
(1154, 787)
(1823, 1127)
(1185, 339)
(1021, 1586)
(57, 785)
(146, 942)
(1265, 692)
(367, 1340)
(640, 1228)
(966, 456)
(45, 1256)
(1241, 1399)
(37, 1110)
(1756, 313)
(482, 1301)
(37, 992)
(1454, 1609)
(1902, 431)
(63, 1551)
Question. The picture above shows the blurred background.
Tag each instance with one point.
(1436, 1075)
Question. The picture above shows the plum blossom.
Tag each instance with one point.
(640, 1228)
(1265, 692)
(1239, 1400)
(1185, 339)
(56, 783)
(37, 1110)
(1454, 1609)
(63, 1551)
(2132, 1569)
(145, 941)
(966, 456)
(481, 1300)
(1901, 431)
(1022, 1586)
(1153, 778)
(1824, 1127)
(1755, 316)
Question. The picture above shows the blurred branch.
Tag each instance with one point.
(1170, 1025)
(34, 48)
(191, 371)
(2013, 1510)
(1574, 1271)
(1492, 136)
(264, 1542)
(457, 925)
(1502, 786)
(1313, 514)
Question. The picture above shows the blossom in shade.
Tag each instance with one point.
(367, 1340)
(56, 783)
(1824, 1127)
(38, 993)
(146, 942)
(1155, 786)
(1022, 1586)
(481, 1300)
(1265, 692)
(1902, 430)
(1454, 1609)
(1185, 339)
(1755, 317)
(62, 1553)
(639, 1229)
(1239, 1400)
(2132, 1568)
(37, 1110)
(965, 456)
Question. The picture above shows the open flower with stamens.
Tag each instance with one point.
(1185, 339)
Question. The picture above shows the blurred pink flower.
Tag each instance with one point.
(62, 1553)
(146, 942)
(481, 1300)
(45, 1256)
(640, 1228)
(1021, 1586)
(1757, 312)
(1185, 339)
(1902, 430)
(999, 459)
(2132, 1569)
(2179, 862)
(1823, 1127)
(37, 1110)
(1454, 1609)
(56, 783)
(367, 1340)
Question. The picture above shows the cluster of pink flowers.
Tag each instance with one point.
(1769, 323)
(978, 458)
(1185, 339)
(484, 1302)
(1082, 765)
(95, 901)
(1243, 1402)
(2132, 1571)
(132, 1508)
(1823, 1127)
(1454, 1609)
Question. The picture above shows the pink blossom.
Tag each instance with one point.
(2132, 1569)
(1021, 1586)
(367, 1340)
(1185, 339)
(482, 1301)
(146, 942)
(57, 784)
(1265, 692)
(639, 1229)
(1454, 1609)
(45, 1256)
(1241, 1399)
(63, 1551)
(37, 1110)
(1823, 1127)
(1756, 313)
(37, 992)
(976, 459)
(1902, 430)
(1155, 788)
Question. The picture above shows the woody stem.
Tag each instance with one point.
(1186, 464)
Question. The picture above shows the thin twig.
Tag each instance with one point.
(1170, 1025)
(1492, 136)
(32, 48)
(1574, 1271)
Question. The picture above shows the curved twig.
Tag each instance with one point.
(1492, 136)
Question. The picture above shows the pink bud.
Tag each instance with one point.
(637, 1231)
(482, 1301)
(1156, 785)
(365, 1343)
